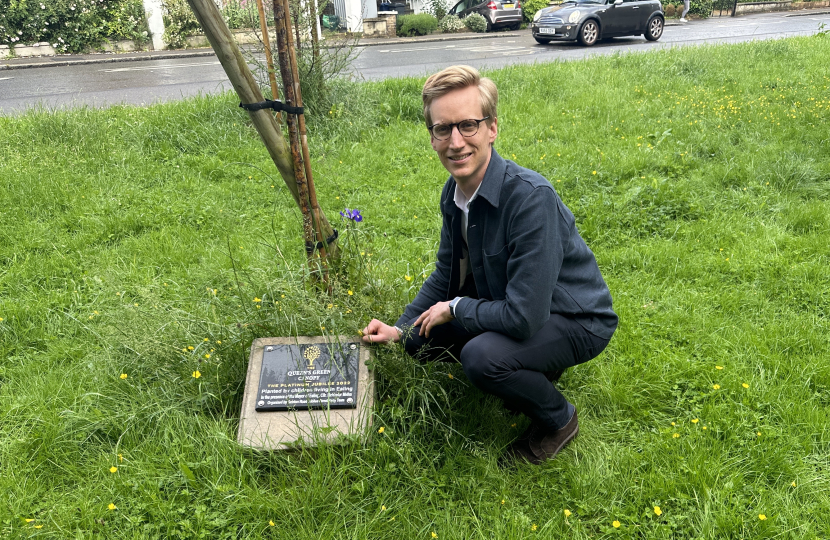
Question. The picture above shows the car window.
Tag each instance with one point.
(456, 8)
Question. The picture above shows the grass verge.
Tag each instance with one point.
(139, 246)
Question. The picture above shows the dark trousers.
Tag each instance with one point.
(510, 369)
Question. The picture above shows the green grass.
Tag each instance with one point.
(699, 177)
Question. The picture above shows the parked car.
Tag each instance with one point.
(497, 14)
(590, 20)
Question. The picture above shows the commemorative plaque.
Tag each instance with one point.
(314, 376)
(305, 391)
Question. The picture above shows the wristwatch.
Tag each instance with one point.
(453, 303)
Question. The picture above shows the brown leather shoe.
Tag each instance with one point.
(537, 444)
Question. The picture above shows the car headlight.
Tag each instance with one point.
(574, 17)
(538, 14)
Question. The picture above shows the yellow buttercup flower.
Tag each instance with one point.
(113, 469)
(381, 429)
(745, 385)
(762, 517)
(567, 512)
(207, 356)
(616, 524)
(271, 523)
(111, 506)
(676, 435)
(716, 386)
(196, 374)
(695, 420)
(434, 535)
(123, 375)
(793, 484)
(533, 527)
(408, 278)
(658, 511)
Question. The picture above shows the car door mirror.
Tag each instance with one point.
(618, 2)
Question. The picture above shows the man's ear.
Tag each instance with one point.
(494, 130)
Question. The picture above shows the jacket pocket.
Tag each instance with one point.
(495, 270)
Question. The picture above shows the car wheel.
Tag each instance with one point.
(588, 33)
(489, 27)
(543, 41)
(517, 26)
(655, 28)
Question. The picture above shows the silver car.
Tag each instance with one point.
(497, 14)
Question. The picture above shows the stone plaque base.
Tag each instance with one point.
(279, 430)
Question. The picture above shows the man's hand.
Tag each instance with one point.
(378, 332)
(434, 316)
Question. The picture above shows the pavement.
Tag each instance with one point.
(104, 58)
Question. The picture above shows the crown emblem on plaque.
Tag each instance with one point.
(311, 354)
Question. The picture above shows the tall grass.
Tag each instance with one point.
(153, 243)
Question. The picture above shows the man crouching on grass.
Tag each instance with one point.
(516, 294)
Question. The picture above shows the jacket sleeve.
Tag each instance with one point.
(535, 246)
(435, 287)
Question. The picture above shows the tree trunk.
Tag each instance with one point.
(229, 55)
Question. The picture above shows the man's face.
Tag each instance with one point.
(465, 158)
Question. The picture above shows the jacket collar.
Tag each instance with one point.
(490, 187)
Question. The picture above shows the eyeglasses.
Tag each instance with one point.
(467, 128)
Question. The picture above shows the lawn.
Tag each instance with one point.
(141, 245)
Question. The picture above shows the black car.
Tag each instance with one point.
(590, 20)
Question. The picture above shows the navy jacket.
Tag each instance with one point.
(527, 259)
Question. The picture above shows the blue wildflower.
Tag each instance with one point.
(354, 215)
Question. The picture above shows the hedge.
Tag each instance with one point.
(72, 26)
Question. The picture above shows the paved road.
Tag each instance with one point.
(141, 83)
(380, 62)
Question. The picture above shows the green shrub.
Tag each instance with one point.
(241, 14)
(450, 24)
(530, 8)
(476, 22)
(71, 26)
(701, 8)
(179, 22)
(417, 25)
(438, 8)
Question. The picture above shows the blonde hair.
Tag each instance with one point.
(455, 77)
